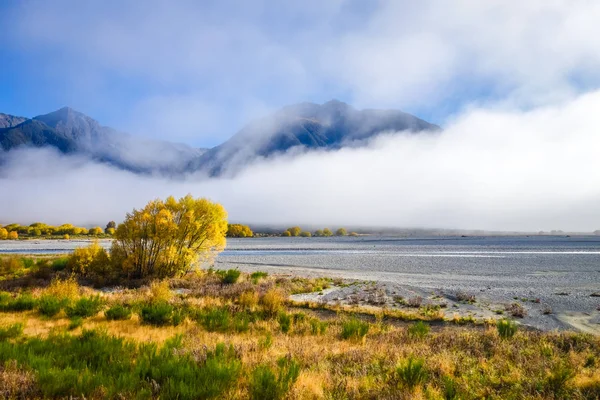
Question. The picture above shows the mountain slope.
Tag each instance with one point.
(35, 134)
(70, 131)
(331, 125)
(8, 121)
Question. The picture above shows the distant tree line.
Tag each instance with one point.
(326, 232)
(239, 231)
(40, 229)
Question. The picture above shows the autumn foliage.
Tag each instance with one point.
(239, 231)
(169, 238)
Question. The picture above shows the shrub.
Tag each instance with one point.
(118, 312)
(465, 297)
(412, 372)
(49, 305)
(248, 299)
(85, 307)
(450, 388)
(11, 331)
(158, 313)
(354, 329)
(67, 289)
(317, 327)
(557, 379)
(265, 385)
(60, 263)
(75, 323)
(272, 301)
(10, 265)
(418, 329)
(286, 234)
(415, 302)
(257, 276)
(305, 234)
(27, 262)
(506, 328)
(285, 322)
(160, 291)
(231, 276)
(90, 260)
(169, 238)
(341, 232)
(215, 319)
(516, 310)
(23, 302)
(178, 317)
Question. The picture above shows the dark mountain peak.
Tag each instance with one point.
(328, 126)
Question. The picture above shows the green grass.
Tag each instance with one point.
(354, 329)
(265, 384)
(11, 331)
(418, 330)
(412, 372)
(96, 363)
(23, 302)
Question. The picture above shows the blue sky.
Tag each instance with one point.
(195, 72)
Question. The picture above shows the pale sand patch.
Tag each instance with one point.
(583, 322)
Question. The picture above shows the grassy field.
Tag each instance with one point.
(225, 334)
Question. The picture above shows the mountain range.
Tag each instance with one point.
(300, 127)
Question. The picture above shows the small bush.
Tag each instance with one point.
(10, 265)
(27, 262)
(272, 301)
(160, 291)
(231, 276)
(67, 289)
(11, 331)
(158, 313)
(23, 302)
(215, 319)
(450, 388)
(506, 328)
(418, 329)
(516, 310)
(75, 323)
(558, 378)
(249, 299)
(60, 264)
(90, 260)
(265, 385)
(118, 312)
(317, 327)
(354, 329)
(415, 302)
(85, 307)
(257, 276)
(178, 317)
(465, 297)
(285, 322)
(412, 372)
(49, 306)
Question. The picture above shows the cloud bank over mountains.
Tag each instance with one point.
(495, 170)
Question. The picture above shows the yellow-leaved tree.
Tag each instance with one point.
(169, 238)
